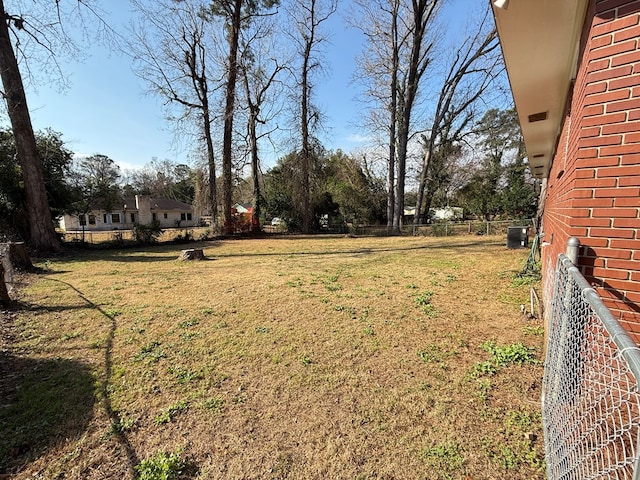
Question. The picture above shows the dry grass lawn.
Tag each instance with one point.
(277, 358)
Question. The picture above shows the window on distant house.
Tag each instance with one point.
(183, 216)
(92, 219)
(115, 217)
(133, 218)
(189, 216)
(154, 216)
(105, 218)
(166, 215)
(83, 220)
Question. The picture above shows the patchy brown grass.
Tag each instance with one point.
(298, 358)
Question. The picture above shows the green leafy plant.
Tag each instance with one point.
(162, 466)
(535, 331)
(169, 413)
(69, 336)
(445, 457)
(483, 389)
(120, 425)
(516, 353)
(151, 352)
(516, 446)
(214, 404)
(503, 356)
(423, 301)
(423, 298)
(184, 375)
(432, 354)
(484, 368)
(189, 323)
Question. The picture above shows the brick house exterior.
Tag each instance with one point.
(574, 69)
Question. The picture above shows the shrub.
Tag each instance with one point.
(187, 236)
(206, 235)
(147, 234)
(117, 240)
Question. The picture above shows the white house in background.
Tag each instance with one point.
(447, 213)
(141, 209)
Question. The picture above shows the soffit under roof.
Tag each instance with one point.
(540, 42)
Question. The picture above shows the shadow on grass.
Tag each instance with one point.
(42, 401)
(360, 251)
(146, 254)
(105, 378)
(134, 253)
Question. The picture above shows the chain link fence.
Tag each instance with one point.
(442, 228)
(591, 403)
(119, 238)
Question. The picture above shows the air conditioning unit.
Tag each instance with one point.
(517, 237)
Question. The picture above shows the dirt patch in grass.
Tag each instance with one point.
(299, 358)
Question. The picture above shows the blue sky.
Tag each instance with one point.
(106, 111)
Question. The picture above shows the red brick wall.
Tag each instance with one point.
(593, 190)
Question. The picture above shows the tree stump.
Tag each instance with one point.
(6, 269)
(192, 254)
(4, 294)
(17, 254)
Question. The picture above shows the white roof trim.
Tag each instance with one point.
(540, 42)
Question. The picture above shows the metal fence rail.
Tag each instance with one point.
(591, 403)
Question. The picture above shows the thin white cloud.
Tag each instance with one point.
(356, 138)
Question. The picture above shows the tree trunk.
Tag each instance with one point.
(229, 110)
(305, 156)
(5, 300)
(422, 183)
(401, 168)
(393, 116)
(418, 63)
(42, 234)
(255, 170)
(391, 180)
(213, 191)
(17, 254)
(6, 277)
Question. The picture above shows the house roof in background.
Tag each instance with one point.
(159, 204)
(540, 42)
(169, 204)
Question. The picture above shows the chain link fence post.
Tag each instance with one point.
(573, 246)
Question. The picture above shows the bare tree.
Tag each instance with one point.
(308, 17)
(421, 14)
(378, 69)
(398, 53)
(236, 14)
(394, 47)
(259, 74)
(173, 53)
(475, 65)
